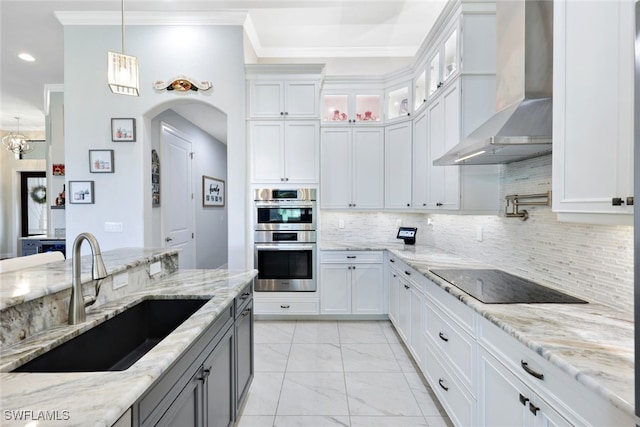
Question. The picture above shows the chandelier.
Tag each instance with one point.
(123, 70)
(16, 142)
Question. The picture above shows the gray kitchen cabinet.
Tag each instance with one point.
(208, 383)
(244, 349)
(218, 379)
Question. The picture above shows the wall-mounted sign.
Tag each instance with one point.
(182, 84)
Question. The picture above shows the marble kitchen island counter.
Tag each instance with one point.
(591, 342)
(100, 398)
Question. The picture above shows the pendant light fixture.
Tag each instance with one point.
(16, 142)
(123, 70)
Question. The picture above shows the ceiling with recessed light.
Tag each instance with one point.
(292, 29)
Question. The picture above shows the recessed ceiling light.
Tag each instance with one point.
(26, 57)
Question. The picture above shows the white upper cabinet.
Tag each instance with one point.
(593, 111)
(398, 162)
(350, 107)
(284, 151)
(283, 91)
(420, 90)
(420, 166)
(398, 100)
(444, 60)
(352, 168)
(287, 99)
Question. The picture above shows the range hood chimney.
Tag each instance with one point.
(522, 127)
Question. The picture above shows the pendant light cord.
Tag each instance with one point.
(123, 51)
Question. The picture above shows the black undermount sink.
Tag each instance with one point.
(119, 342)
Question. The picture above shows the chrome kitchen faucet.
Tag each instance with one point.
(78, 302)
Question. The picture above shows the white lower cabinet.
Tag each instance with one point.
(286, 303)
(505, 401)
(352, 282)
(406, 305)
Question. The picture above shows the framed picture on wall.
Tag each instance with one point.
(81, 192)
(212, 192)
(123, 130)
(101, 161)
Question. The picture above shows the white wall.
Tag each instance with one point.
(210, 159)
(213, 53)
(592, 261)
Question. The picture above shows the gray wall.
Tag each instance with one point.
(210, 159)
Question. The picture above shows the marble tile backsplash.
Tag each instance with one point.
(590, 261)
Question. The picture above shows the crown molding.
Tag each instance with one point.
(222, 17)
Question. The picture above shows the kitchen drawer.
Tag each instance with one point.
(455, 346)
(574, 401)
(351, 257)
(459, 404)
(459, 312)
(243, 299)
(286, 307)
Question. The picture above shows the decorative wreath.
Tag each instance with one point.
(39, 194)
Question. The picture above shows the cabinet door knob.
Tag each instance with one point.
(168, 239)
(441, 382)
(408, 204)
(530, 371)
(282, 113)
(286, 113)
(406, 286)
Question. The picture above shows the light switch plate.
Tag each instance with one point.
(155, 268)
(113, 227)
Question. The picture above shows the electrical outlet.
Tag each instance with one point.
(341, 223)
(479, 233)
(120, 280)
(155, 268)
(398, 223)
(113, 227)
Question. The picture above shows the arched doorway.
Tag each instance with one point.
(189, 138)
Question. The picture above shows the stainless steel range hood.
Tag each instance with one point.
(522, 127)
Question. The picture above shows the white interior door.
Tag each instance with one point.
(178, 201)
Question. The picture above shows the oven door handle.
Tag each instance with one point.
(284, 205)
(285, 247)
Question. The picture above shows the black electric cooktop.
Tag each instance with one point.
(500, 287)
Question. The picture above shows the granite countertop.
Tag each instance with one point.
(100, 398)
(19, 286)
(592, 342)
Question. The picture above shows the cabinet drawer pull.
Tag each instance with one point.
(392, 260)
(441, 382)
(246, 312)
(533, 409)
(351, 257)
(523, 400)
(443, 337)
(205, 374)
(406, 286)
(285, 306)
(530, 371)
(245, 295)
(407, 273)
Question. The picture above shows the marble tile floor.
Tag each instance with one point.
(336, 373)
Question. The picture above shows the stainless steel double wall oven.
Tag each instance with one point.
(285, 239)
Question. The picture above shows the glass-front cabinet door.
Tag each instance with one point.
(420, 91)
(398, 102)
(450, 54)
(351, 108)
(444, 62)
(434, 73)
